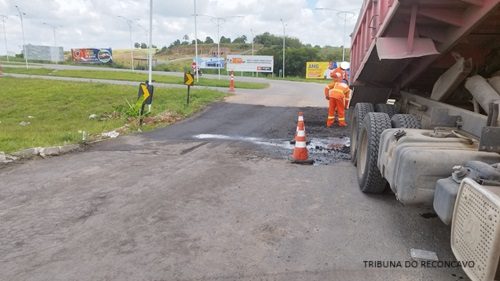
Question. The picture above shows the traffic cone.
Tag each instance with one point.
(300, 154)
(300, 120)
(231, 83)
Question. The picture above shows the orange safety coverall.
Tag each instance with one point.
(336, 93)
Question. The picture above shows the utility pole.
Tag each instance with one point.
(283, 24)
(5, 36)
(22, 29)
(129, 23)
(345, 13)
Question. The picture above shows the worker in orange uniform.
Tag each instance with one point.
(336, 93)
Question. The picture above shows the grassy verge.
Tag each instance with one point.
(59, 111)
(129, 76)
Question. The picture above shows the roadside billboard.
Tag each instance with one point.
(250, 63)
(92, 55)
(319, 70)
(210, 63)
(46, 53)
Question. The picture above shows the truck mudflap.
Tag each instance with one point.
(412, 160)
(475, 230)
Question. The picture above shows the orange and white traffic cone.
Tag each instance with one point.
(300, 154)
(231, 83)
(300, 120)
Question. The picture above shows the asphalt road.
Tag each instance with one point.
(212, 198)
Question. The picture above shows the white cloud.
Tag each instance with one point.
(95, 23)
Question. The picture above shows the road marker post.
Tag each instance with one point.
(188, 81)
(231, 83)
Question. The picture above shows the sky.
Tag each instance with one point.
(101, 24)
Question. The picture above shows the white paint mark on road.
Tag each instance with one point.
(260, 141)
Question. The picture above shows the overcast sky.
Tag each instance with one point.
(95, 23)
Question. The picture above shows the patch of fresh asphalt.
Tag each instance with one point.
(164, 205)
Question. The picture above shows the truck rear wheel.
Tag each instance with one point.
(386, 108)
(369, 177)
(356, 121)
(405, 121)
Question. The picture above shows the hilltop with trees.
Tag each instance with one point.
(296, 56)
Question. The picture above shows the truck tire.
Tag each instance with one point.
(369, 177)
(405, 121)
(356, 120)
(386, 108)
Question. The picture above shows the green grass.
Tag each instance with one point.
(60, 109)
(130, 76)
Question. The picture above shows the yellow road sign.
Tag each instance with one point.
(188, 79)
(145, 91)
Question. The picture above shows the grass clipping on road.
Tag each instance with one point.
(42, 113)
(130, 76)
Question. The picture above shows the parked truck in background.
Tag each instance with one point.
(438, 144)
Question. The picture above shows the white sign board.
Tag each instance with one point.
(210, 62)
(250, 63)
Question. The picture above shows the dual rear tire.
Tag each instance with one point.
(366, 129)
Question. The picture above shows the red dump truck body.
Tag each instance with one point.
(409, 44)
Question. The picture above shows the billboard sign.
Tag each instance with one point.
(250, 63)
(319, 70)
(46, 53)
(210, 63)
(92, 55)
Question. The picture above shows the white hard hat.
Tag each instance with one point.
(345, 65)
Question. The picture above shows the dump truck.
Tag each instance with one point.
(424, 115)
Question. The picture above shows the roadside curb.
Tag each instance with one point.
(33, 152)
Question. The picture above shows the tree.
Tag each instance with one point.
(144, 46)
(209, 40)
(137, 45)
(240, 40)
(185, 38)
(224, 40)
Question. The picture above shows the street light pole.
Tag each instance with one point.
(53, 31)
(345, 13)
(283, 24)
(5, 37)
(129, 23)
(218, 21)
(196, 43)
(150, 55)
(24, 42)
(253, 37)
